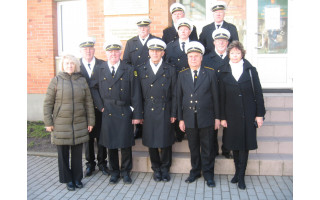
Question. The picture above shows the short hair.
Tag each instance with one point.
(236, 44)
(73, 59)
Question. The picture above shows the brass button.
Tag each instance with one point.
(191, 95)
(121, 79)
(162, 108)
(110, 114)
(151, 85)
(196, 101)
(162, 96)
(151, 97)
(152, 109)
(146, 76)
(121, 89)
(136, 48)
(178, 59)
(110, 88)
(122, 114)
(105, 79)
(164, 75)
(190, 101)
(138, 56)
(162, 84)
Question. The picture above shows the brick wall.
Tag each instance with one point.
(42, 44)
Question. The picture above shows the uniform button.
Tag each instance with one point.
(122, 114)
(240, 95)
(105, 79)
(110, 114)
(136, 48)
(178, 59)
(162, 108)
(190, 101)
(196, 101)
(138, 56)
(151, 85)
(164, 75)
(152, 109)
(191, 95)
(121, 89)
(190, 108)
(151, 97)
(121, 79)
(163, 97)
(162, 84)
(110, 88)
(146, 76)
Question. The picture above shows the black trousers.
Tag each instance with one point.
(202, 152)
(67, 174)
(240, 158)
(126, 161)
(216, 145)
(90, 155)
(161, 160)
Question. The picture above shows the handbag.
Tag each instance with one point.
(254, 94)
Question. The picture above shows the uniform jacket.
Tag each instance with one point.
(170, 34)
(239, 108)
(203, 97)
(215, 61)
(206, 35)
(135, 54)
(96, 129)
(159, 100)
(175, 56)
(116, 95)
(68, 107)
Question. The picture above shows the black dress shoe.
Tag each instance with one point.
(227, 155)
(89, 171)
(166, 177)
(70, 186)
(114, 179)
(104, 170)
(157, 176)
(241, 184)
(235, 179)
(191, 179)
(78, 184)
(211, 183)
(127, 179)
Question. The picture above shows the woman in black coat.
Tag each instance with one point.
(242, 108)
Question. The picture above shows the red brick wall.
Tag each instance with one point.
(42, 44)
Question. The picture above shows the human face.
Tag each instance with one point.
(194, 60)
(218, 16)
(113, 56)
(87, 53)
(143, 31)
(68, 66)
(177, 15)
(156, 55)
(184, 32)
(221, 45)
(235, 55)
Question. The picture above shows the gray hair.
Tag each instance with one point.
(73, 59)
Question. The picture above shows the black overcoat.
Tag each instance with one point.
(134, 53)
(170, 34)
(203, 96)
(206, 35)
(116, 95)
(97, 127)
(239, 108)
(159, 100)
(214, 61)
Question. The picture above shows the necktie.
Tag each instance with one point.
(183, 46)
(221, 55)
(218, 26)
(195, 77)
(113, 72)
(89, 66)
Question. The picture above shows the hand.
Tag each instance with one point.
(136, 121)
(259, 121)
(90, 128)
(141, 122)
(102, 109)
(216, 124)
(49, 128)
(182, 126)
(224, 123)
(172, 119)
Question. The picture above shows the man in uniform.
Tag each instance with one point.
(205, 37)
(158, 83)
(88, 64)
(216, 59)
(116, 88)
(198, 112)
(136, 52)
(176, 56)
(171, 33)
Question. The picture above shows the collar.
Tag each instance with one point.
(92, 63)
(145, 39)
(223, 55)
(154, 67)
(221, 24)
(116, 66)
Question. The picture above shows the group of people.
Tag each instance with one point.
(161, 90)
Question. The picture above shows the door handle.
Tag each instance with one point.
(262, 41)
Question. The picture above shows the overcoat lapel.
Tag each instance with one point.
(201, 77)
(118, 74)
(188, 79)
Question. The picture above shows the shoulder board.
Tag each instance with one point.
(209, 68)
(184, 69)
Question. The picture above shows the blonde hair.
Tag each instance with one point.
(73, 59)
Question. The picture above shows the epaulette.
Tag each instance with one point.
(209, 68)
(184, 69)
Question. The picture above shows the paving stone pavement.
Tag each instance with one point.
(43, 183)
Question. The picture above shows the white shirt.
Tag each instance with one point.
(192, 73)
(218, 24)
(115, 66)
(223, 55)
(186, 42)
(92, 64)
(144, 40)
(154, 67)
(236, 69)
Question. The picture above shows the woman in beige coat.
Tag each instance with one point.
(69, 116)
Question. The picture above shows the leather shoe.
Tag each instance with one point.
(191, 179)
(211, 183)
(78, 184)
(241, 184)
(235, 179)
(157, 176)
(227, 155)
(166, 177)
(89, 171)
(70, 186)
(127, 179)
(114, 179)
(104, 170)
